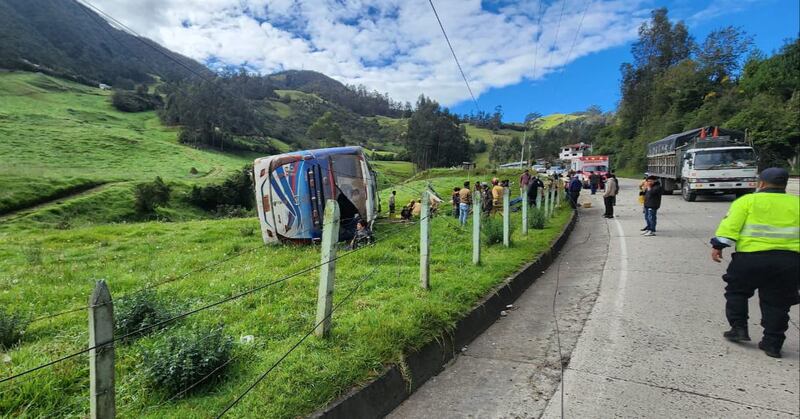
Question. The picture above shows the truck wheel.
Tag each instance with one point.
(668, 185)
(688, 195)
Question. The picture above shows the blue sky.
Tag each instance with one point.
(594, 79)
(546, 56)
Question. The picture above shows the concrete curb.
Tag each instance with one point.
(380, 396)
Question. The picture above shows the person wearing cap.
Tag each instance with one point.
(764, 228)
(497, 196)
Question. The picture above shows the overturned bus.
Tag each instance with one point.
(292, 188)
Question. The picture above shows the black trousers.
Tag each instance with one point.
(776, 276)
(608, 201)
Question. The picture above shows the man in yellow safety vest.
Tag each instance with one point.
(764, 227)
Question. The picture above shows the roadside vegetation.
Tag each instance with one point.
(388, 316)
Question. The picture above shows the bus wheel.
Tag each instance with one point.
(688, 195)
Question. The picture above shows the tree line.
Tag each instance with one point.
(676, 83)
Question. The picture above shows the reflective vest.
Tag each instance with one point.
(762, 221)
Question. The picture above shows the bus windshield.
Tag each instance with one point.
(724, 159)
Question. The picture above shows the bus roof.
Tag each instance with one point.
(316, 153)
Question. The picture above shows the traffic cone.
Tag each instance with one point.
(716, 132)
(703, 133)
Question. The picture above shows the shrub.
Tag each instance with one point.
(175, 362)
(235, 192)
(139, 101)
(151, 195)
(536, 218)
(12, 327)
(493, 230)
(139, 311)
(193, 171)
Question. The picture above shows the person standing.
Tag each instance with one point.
(392, 199)
(652, 202)
(455, 200)
(535, 187)
(574, 187)
(764, 227)
(524, 180)
(465, 200)
(594, 182)
(497, 196)
(610, 195)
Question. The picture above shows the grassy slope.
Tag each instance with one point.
(58, 134)
(546, 123)
(482, 159)
(52, 270)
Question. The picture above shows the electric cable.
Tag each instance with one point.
(446, 38)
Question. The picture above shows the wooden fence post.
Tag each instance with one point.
(327, 272)
(506, 217)
(524, 213)
(424, 242)
(101, 360)
(476, 228)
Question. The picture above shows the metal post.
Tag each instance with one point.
(476, 228)
(424, 242)
(327, 272)
(101, 360)
(506, 218)
(524, 213)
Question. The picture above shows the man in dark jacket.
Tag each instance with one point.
(575, 186)
(652, 202)
(534, 189)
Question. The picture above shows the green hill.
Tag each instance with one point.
(66, 38)
(61, 138)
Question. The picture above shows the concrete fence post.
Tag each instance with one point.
(547, 201)
(101, 360)
(506, 217)
(552, 201)
(539, 193)
(327, 272)
(424, 242)
(476, 228)
(524, 197)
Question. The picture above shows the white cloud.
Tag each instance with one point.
(392, 46)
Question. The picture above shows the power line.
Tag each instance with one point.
(152, 45)
(578, 32)
(558, 28)
(454, 56)
(536, 51)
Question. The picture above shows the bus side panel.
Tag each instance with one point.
(371, 189)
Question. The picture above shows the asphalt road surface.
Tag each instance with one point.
(640, 321)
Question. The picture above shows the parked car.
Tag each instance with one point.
(539, 168)
(555, 170)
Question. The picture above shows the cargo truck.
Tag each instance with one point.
(703, 161)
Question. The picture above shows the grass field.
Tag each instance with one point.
(57, 134)
(70, 163)
(473, 132)
(389, 315)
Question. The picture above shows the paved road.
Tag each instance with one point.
(641, 321)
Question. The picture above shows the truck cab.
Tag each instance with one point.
(718, 170)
